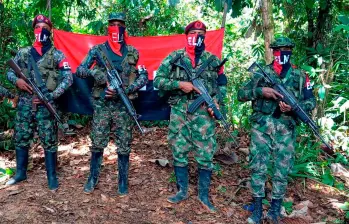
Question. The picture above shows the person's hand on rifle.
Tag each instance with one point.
(284, 107)
(36, 101)
(271, 93)
(23, 85)
(49, 98)
(109, 93)
(187, 87)
(210, 110)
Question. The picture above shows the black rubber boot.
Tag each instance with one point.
(95, 167)
(123, 165)
(51, 165)
(256, 217)
(22, 155)
(273, 214)
(182, 185)
(204, 188)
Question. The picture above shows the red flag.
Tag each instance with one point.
(152, 50)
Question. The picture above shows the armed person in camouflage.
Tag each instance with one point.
(108, 108)
(191, 132)
(55, 72)
(5, 93)
(273, 126)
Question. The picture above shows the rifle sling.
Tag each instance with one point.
(200, 70)
(106, 54)
(37, 78)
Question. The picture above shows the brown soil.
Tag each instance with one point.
(150, 185)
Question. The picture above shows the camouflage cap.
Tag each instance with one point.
(282, 42)
(117, 16)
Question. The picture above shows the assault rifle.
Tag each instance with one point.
(290, 99)
(38, 91)
(204, 95)
(115, 82)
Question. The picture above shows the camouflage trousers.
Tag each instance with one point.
(273, 139)
(192, 132)
(110, 116)
(26, 122)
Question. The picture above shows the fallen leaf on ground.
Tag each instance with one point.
(49, 209)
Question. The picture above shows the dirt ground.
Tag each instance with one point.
(150, 185)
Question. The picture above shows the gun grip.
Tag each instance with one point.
(34, 106)
(217, 113)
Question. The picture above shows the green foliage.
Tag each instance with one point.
(288, 206)
(321, 50)
(149, 124)
(222, 189)
(7, 171)
(172, 178)
(77, 119)
(265, 202)
(7, 115)
(217, 169)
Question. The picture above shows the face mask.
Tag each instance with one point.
(42, 41)
(116, 33)
(195, 46)
(116, 37)
(282, 62)
(42, 36)
(282, 57)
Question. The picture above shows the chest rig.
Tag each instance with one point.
(125, 65)
(46, 66)
(208, 76)
(293, 81)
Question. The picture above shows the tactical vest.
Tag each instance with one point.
(46, 65)
(127, 73)
(209, 76)
(293, 81)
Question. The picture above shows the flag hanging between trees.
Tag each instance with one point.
(152, 51)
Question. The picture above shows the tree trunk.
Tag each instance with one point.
(268, 28)
(311, 27)
(324, 22)
(320, 35)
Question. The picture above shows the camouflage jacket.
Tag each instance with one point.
(296, 81)
(54, 70)
(169, 75)
(5, 93)
(91, 67)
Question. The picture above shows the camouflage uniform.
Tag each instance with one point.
(273, 136)
(189, 132)
(57, 81)
(112, 112)
(5, 93)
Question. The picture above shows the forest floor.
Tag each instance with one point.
(149, 186)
